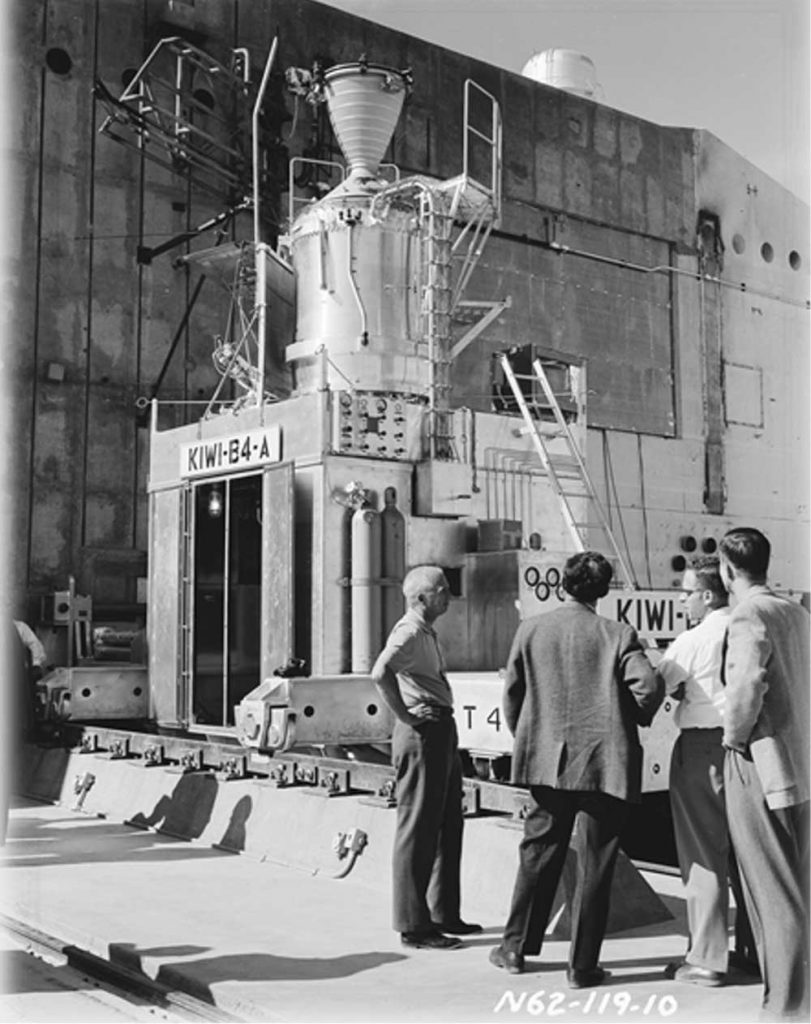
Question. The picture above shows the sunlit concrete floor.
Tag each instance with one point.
(268, 942)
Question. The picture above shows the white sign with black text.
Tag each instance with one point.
(235, 452)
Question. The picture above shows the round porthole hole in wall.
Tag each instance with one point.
(767, 252)
(738, 244)
(204, 98)
(794, 260)
(58, 60)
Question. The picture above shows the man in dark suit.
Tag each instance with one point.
(577, 686)
(766, 778)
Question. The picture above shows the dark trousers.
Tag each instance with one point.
(771, 847)
(428, 839)
(542, 855)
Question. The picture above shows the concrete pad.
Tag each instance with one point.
(298, 826)
(268, 942)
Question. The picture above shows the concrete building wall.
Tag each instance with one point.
(596, 249)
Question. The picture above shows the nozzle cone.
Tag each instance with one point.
(364, 103)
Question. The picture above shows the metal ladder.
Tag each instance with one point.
(565, 472)
(436, 227)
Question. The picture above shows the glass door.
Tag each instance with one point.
(225, 587)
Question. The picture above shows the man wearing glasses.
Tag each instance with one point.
(691, 670)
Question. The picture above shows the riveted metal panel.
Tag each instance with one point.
(165, 595)
(278, 571)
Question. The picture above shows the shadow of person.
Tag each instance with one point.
(185, 813)
(235, 833)
(196, 977)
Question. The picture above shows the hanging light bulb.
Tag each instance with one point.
(215, 502)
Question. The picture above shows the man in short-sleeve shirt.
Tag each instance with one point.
(410, 674)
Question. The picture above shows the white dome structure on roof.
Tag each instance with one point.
(564, 69)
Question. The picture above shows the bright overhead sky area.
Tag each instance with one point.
(739, 68)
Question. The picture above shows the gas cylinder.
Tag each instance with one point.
(393, 563)
(366, 604)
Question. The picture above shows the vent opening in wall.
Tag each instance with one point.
(58, 60)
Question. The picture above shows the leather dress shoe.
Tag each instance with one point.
(459, 927)
(512, 963)
(429, 940)
(695, 975)
(586, 979)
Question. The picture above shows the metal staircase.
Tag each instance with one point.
(567, 473)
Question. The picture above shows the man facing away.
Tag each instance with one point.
(577, 686)
(410, 675)
(691, 670)
(766, 719)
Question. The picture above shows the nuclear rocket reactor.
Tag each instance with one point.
(358, 321)
(376, 261)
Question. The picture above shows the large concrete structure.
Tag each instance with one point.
(671, 267)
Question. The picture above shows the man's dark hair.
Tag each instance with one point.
(747, 550)
(708, 576)
(586, 576)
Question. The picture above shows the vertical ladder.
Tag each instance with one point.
(570, 468)
(436, 226)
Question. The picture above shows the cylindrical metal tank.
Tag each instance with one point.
(394, 559)
(357, 299)
(564, 69)
(366, 611)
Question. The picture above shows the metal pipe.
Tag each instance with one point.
(261, 251)
(129, 92)
(364, 325)
(665, 268)
(226, 600)
(255, 136)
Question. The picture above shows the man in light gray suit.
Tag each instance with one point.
(577, 686)
(766, 719)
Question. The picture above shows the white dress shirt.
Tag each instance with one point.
(695, 658)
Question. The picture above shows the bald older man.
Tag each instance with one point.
(410, 675)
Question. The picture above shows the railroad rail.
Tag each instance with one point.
(336, 776)
(648, 835)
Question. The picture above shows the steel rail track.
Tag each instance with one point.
(334, 777)
(337, 776)
(113, 975)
